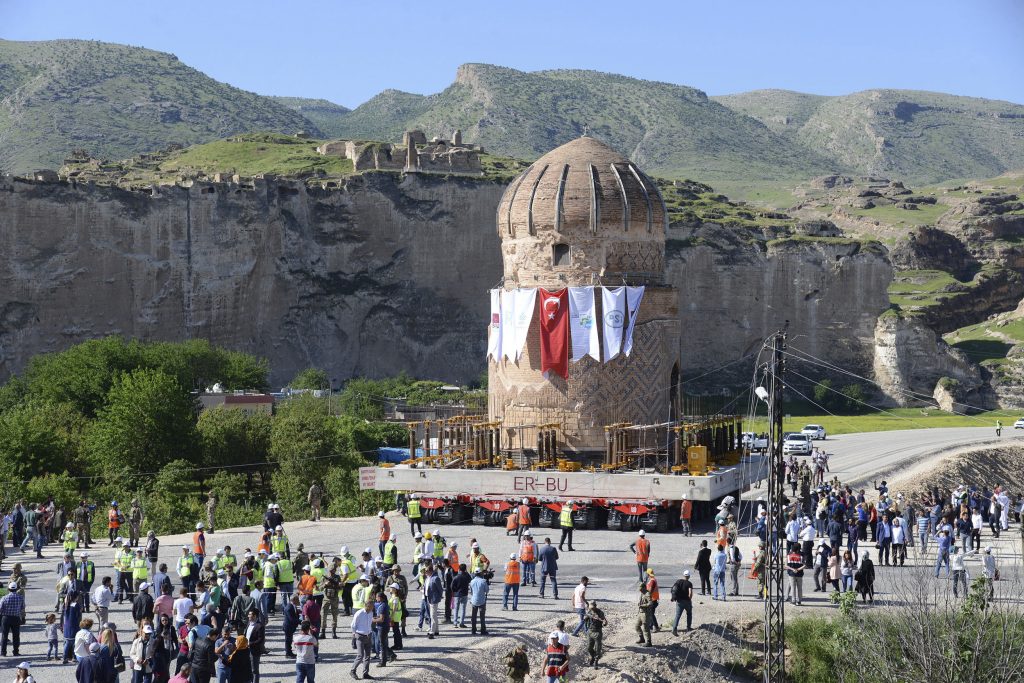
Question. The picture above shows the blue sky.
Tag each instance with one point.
(348, 51)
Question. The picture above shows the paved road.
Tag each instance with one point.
(861, 457)
(602, 555)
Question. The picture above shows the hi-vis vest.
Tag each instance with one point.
(453, 559)
(359, 594)
(413, 509)
(565, 519)
(140, 568)
(184, 566)
(652, 588)
(438, 547)
(318, 574)
(348, 568)
(418, 550)
(527, 551)
(389, 550)
(395, 605)
(512, 572)
(269, 575)
(477, 561)
(124, 561)
(279, 544)
(524, 515)
(87, 571)
(643, 550)
(284, 571)
(69, 541)
(232, 560)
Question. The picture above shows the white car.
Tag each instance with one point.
(797, 444)
(1019, 424)
(814, 431)
(753, 442)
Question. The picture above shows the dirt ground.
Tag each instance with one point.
(980, 466)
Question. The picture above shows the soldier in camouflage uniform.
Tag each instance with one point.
(134, 523)
(211, 508)
(645, 610)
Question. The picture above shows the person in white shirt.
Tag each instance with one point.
(362, 626)
(792, 531)
(83, 639)
(579, 603)
(182, 607)
(101, 597)
(305, 654)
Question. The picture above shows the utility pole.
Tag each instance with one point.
(774, 601)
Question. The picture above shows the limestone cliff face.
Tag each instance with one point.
(388, 273)
(912, 361)
(734, 291)
(385, 274)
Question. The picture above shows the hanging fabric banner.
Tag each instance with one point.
(554, 331)
(523, 312)
(582, 325)
(508, 330)
(613, 304)
(634, 295)
(494, 328)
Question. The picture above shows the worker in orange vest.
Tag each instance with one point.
(524, 517)
(685, 513)
(199, 544)
(642, 548)
(652, 589)
(512, 575)
(511, 522)
(452, 555)
(528, 558)
(722, 534)
(264, 543)
(114, 518)
(385, 532)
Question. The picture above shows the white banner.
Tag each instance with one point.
(634, 295)
(508, 317)
(524, 303)
(613, 303)
(494, 328)
(582, 325)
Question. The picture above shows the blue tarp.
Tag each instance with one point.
(395, 455)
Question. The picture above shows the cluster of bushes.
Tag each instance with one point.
(113, 419)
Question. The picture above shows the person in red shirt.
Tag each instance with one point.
(385, 531)
(556, 660)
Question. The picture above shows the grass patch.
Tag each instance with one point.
(925, 214)
(253, 154)
(892, 419)
(986, 342)
(912, 289)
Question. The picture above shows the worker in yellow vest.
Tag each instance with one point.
(349, 578)
(270, 585)
(565, 521)
(395, 606)
(361, 593)
(417, 553)
(414, 514)
(229, 558)
(69, 538)
(318, 572)
(439, 545)
(285, 579)
(279, 543)
(140, 570)
(512, 576)
(477, 560)
(123, 560)
(390, 556)
(185, 568)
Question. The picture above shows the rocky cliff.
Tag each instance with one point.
(386, 273)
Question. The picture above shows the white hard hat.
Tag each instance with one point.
(475, 545)
(69, 525)
(276, 556)
(512, 556)
(553, 636)
(278, 528)
(344, 550)
(364, 577)
(199, 525)
(419, 535)
(263, 551)
(526, 501)
(686, 572)
(396, 587)
(437, 532)
(394, 537)
(642, 532)
(527, 533)
(380, 514)
(570, 501)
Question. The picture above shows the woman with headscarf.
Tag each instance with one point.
(240, 662)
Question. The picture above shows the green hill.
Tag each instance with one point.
(668, 129)
(115, 101)
(324, 114)
(919, 136)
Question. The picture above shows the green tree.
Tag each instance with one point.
(81, 375)
(310, 378)
(823, 393)
(39, 436)
(362, 398)
(855, 397)
(148, 421)
(303, 441)
(232, 437)
(63, 487)
(173, 503)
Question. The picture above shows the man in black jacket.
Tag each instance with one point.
(203, 657)
(460, 589)
(703, 567)
(142, 607)
(255, 635)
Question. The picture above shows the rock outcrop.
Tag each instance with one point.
(387, 273)
(911, 360)
(927, 248)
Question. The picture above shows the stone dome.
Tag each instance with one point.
(581, 211)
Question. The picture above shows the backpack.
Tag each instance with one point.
(518, 664)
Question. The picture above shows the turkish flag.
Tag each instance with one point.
(554, 331)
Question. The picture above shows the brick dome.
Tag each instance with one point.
(581, 210)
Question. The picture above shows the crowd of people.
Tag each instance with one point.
(205, 614)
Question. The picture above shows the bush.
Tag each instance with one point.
(62, 487)
(815, 644)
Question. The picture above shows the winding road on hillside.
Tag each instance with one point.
(861, 458)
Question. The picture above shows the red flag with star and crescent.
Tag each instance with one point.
(554, 331)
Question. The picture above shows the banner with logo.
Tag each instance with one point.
(613, 323)
(494, 328)
(582, 325)
(634, 295)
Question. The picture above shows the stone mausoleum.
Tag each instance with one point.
(582, 215)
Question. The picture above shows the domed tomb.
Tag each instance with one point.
(585, 215)
(580, 211)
